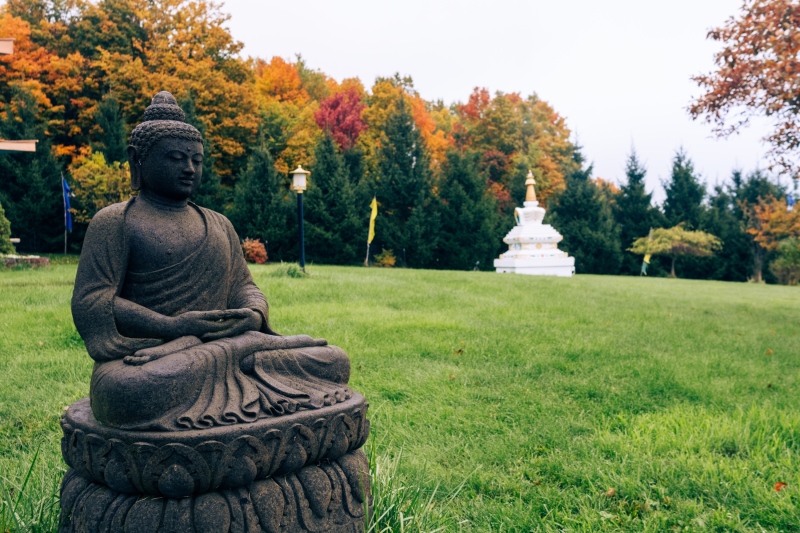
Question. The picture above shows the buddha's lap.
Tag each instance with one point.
(127, 395)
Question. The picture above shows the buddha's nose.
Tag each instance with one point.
(189, 168)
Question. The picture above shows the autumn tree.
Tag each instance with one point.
(757, 74)
(675, 242)
(340, 116)
(55, 81)
(187, 50)
(97, 183)
(773, 223)
(287, 114)
(585, 219)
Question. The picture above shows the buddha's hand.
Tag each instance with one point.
(237, 321)
(209, 325)
(146, 355)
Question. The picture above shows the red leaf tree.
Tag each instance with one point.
(340, 115)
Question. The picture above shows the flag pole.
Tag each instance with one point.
(64, 199)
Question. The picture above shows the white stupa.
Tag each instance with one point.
(533, 246)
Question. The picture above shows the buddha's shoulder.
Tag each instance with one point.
(214, 216)
(111, 214)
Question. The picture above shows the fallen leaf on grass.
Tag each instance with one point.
(769, 352)
(606, 515)
(459, 351)
(41, 343)
(610, 492)
(779, 485)
(452, 376)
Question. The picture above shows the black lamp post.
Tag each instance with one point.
(299, 184)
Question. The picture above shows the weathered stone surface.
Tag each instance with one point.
(327, 497)
(177, 464)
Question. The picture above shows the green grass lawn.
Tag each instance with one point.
(527, 404)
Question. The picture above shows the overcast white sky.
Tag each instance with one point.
(618, 70)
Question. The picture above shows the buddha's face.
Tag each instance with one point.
(173, 168)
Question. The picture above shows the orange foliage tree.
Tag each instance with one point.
(773, 222)
(757, 73)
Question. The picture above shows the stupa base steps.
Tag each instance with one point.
(329, 497)
(556, 266)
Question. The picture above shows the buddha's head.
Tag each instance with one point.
(165, 153)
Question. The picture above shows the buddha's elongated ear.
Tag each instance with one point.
(136, 169)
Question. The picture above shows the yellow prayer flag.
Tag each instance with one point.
(372, 217)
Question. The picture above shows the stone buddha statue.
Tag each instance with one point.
(168, 310)
(200, 417)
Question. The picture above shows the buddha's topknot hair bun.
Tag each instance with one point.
(162, 118)
(164, 107)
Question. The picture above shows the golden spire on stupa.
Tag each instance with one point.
(530, 194)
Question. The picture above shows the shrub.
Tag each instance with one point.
(290, 270)
(254, 251)
(787, 266)
(5, 234)
(385, 259)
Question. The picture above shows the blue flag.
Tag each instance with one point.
(790, 201)
(67, 215)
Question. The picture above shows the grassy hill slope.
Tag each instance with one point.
(584, 404)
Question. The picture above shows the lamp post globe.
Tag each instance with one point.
(299, 184)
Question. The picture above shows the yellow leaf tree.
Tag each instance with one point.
(675, 242)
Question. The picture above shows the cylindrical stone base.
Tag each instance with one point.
(332, 496)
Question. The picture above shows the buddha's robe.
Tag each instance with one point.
(197, 385)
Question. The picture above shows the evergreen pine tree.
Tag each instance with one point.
(6, 247)
(685, 193)
(733, 261)
(210, 194)
(333, 231)
(30, 189)
(582, 215)
(264, 208)
(112, 139)
(469, 215)
(408, 223)
(745, 193)
(634, 213)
